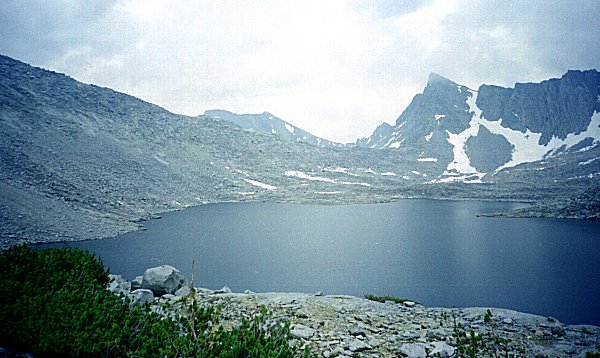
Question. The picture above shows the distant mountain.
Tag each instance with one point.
(79, 161)
(270, 124)
(466, 134)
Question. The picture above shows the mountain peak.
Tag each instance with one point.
(434, 78)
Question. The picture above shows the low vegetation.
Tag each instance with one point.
(54, 303)
(386, 298)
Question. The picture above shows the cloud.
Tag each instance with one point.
(336, 68)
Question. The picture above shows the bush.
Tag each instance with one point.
(386, 298)
(54, 303)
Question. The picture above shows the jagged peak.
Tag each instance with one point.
(434, 78)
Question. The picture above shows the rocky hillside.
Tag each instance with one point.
(270, 124)
(80, 162)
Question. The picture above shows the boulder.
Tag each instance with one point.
(302, 331)
(183, 291)
(224, 290)
(162, 279)
(117, 284)
(356, 345)
(412, 350)
(136, 282)
(141, 296)
(442, 349)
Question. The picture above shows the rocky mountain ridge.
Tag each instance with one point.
(475, 134)
(268, 123)
(83, 162)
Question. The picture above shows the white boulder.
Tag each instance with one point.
(162, 279)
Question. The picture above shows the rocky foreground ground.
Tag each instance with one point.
(347, 326)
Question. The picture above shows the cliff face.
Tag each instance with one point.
(479, 132)
(553, 108)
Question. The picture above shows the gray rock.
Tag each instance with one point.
(357, 331)
(409, 304)
(442, 349)
(225, 289)
(558, 330)
(302, 331)
(141, 296)
(356, 345)
(162, 279)
(412, 350)
(118, 284)
(136, 282)
(183, 291)
(439, 333)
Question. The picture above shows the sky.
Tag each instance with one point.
(336, 68)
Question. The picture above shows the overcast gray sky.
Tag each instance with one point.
(336, 68)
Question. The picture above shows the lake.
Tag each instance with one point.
(436, 252)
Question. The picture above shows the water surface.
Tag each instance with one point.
(436, 252)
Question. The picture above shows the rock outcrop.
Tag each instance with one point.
(347, 326)
(162, 280)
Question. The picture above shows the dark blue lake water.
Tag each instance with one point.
(436, 252)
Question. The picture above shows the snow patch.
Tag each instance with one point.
(244, 193)
(589, 161)
(589, 176)
(439, 116)
(290, 128)
(341, 170)
(389, 174)
(469, 179)
(353, 183)
(303, 175)
(160, 160)
(427, 159)
(270, 117)
(396, 144)
(337, 170)
(585, 149)
(405, 177)
(328, 192)
(370, 171)
(416, 172)
(273, 131)
(242, 172)
(428, 137)
(260, 185)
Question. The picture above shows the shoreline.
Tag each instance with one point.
(119, 225)
(345, 325)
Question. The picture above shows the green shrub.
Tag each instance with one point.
(54, 303)
(386, 298)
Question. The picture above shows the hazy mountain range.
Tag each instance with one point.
(269, 124)
(79, 161)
